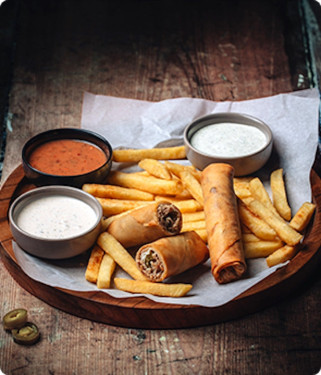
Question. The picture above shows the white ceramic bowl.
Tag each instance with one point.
(68, 245)
(243, 165)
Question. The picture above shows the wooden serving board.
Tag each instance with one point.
(140, 312)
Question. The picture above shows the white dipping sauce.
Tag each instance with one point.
(56, 217)
(228, 139)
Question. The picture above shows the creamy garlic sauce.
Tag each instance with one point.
(228, 139)
(56, 217)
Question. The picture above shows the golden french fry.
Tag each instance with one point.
(155, 168)
(193, 216)
(261, 249)
(120, 255)
(193, 225)
(259, 193)
(135, 155)
(117, 192)
(106, 270)
(282, 255)
(184, 194)
(184, 205)
(116, 206)
(301, 219)
(281, 227)
(93, 265)
(279, 194)
(250, 237)
(176, 169)
(192, 185)
(255, 224)
(148, 287)
(242, 190)
(150, 184)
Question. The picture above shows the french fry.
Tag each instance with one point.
(155, 168)
(193, 216)
(135, 155)
(259, 193)
(192, 185)
(116, 206)
(279, 194)
(193, 225)
(250, 237)
(301, 219)
(282, 255)
(120, 255)
(150, 184)
(281, 227)
(148, 287)
(242, 190)
(184, 194)
(184, 205)
(117, 192)
(176, 169)
(93, 264)
(256, 225)
(106, 270)
(261, 249)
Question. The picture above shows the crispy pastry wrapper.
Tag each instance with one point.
(171, 256)
(222, 223)
(147, 224)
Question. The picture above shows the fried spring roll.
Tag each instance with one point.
(171, 256)
(222, 223)
(147, 224)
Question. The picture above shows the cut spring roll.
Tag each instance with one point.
(222, 223)
(171, 256)
(147, 224)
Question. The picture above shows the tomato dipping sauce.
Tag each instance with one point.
(67, 157)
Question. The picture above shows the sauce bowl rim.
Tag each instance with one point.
(61, 190)
(232, 117)
(76, 131)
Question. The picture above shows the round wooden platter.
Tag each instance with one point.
(140, 312)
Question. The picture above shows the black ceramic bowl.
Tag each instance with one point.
(40, 178)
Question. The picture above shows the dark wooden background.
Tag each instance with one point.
(54, 50)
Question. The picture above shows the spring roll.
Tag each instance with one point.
(171, 256)
(222, 223)
(147, 224)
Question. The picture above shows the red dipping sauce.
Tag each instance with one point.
(67, 157)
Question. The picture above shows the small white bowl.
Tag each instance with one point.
(243, 164)
(52, 247)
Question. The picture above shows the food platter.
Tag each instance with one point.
(140, 312)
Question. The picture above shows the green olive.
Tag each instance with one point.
(26, 335)
(15, 319)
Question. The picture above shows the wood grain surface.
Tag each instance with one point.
(153, 50)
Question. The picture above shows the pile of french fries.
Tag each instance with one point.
(269, 229)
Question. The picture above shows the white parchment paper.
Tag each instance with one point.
(130, 123)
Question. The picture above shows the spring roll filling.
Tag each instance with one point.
(169, 217)
(151, 264)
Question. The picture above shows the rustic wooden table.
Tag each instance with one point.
(52, 51)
